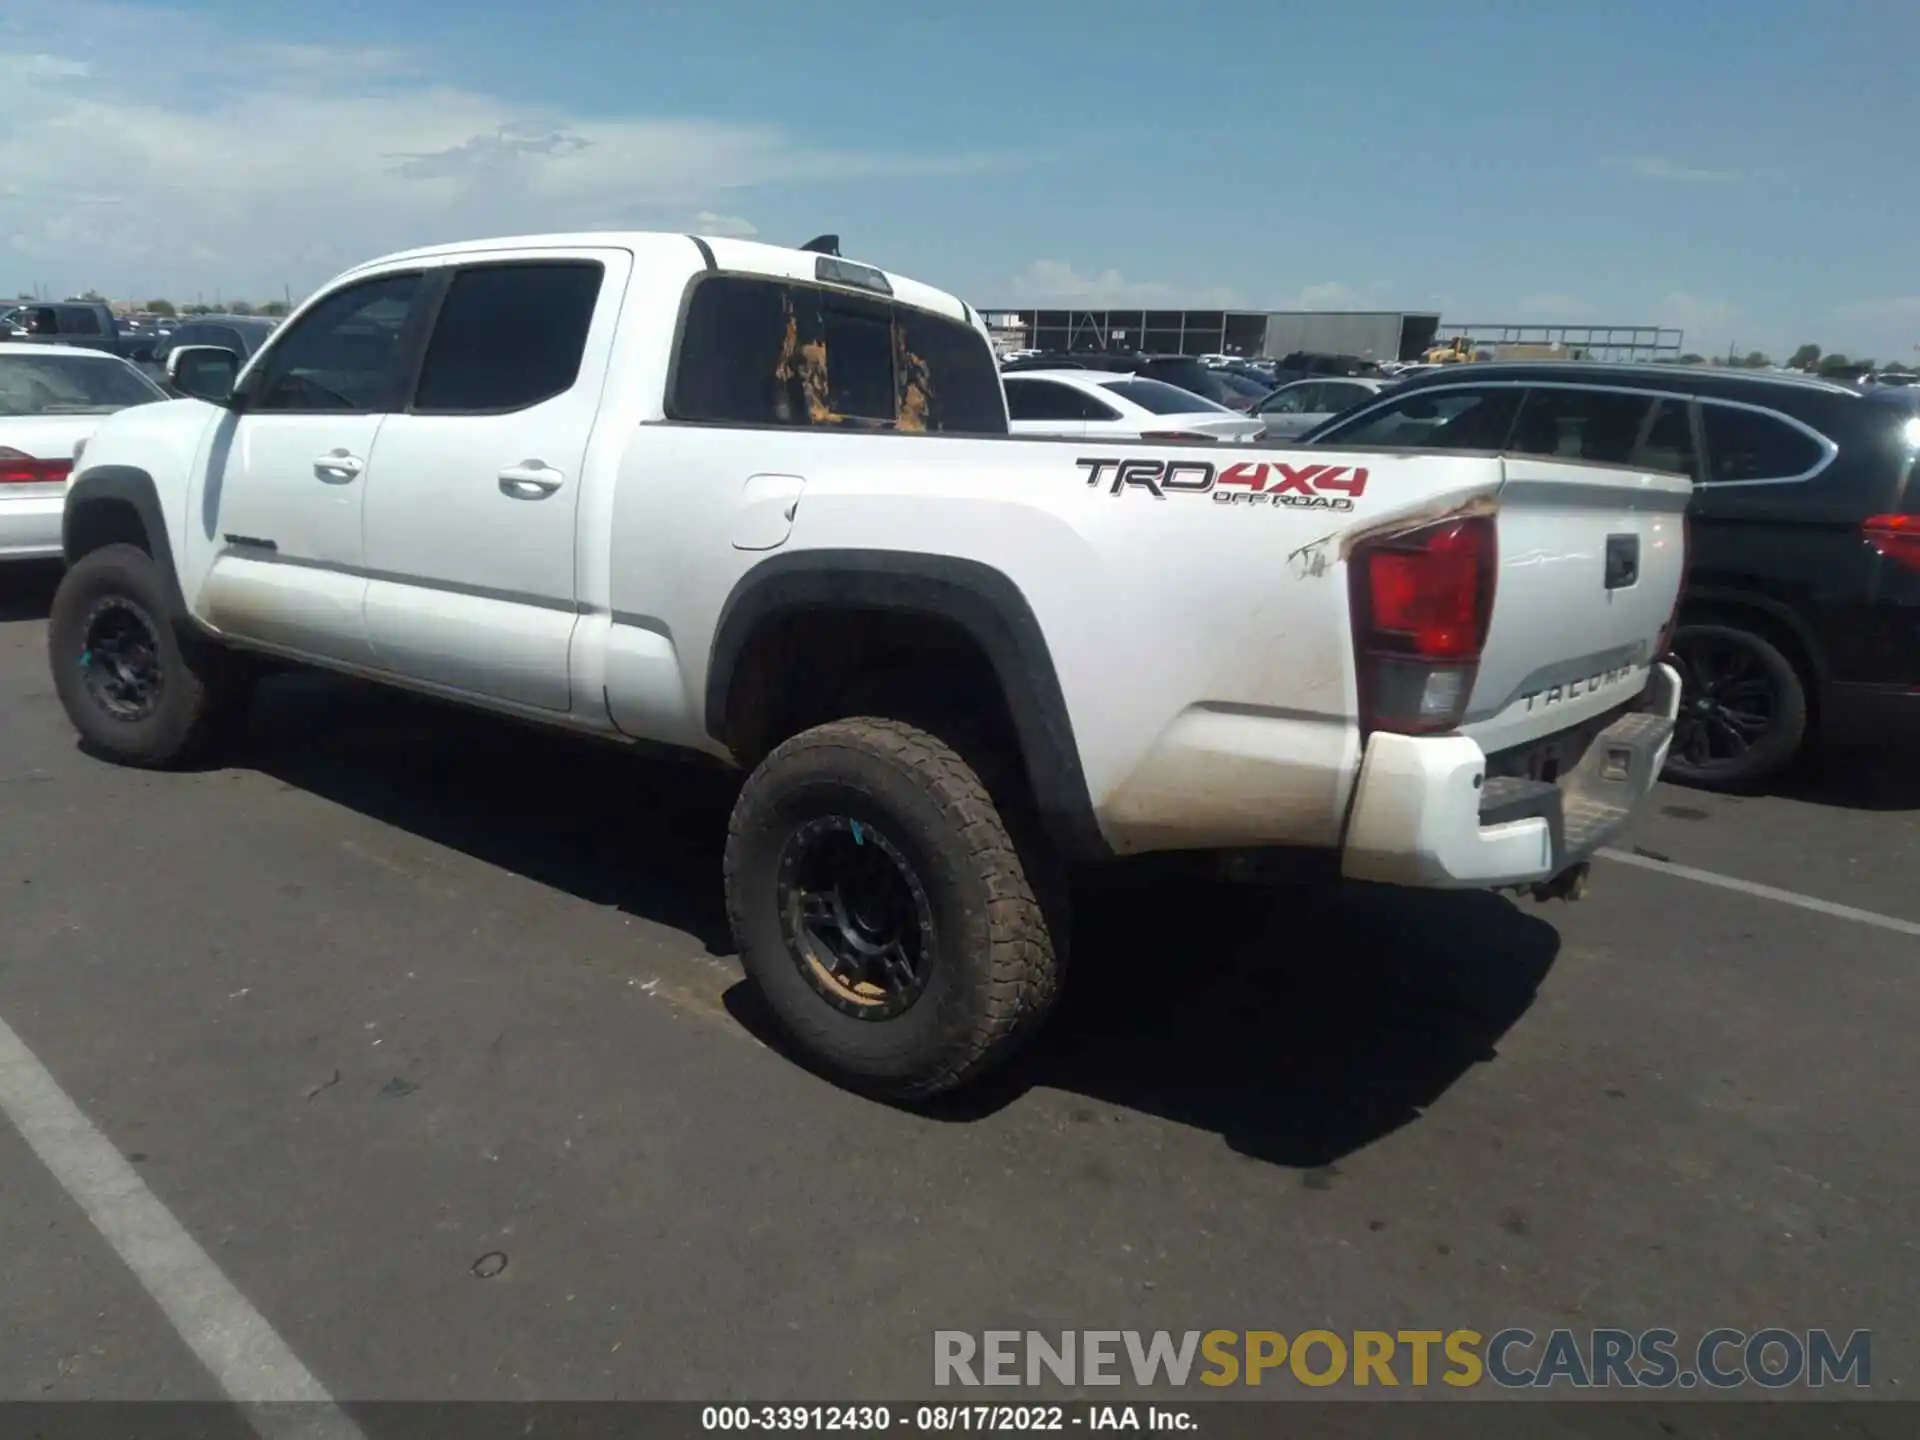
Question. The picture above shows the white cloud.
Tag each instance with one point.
(1057, 282)
(43, 67)
(709, 223)
(1661, 167)
(249, 166)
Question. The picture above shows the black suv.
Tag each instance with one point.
(1801, 612)
(1188, 373)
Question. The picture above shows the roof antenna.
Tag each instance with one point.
(823, 245)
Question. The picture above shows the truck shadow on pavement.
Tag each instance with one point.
(1299, 1024)
(26, 588)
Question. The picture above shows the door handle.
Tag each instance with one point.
(530, 480)
(337, 462)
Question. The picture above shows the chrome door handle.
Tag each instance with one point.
(337, 462)
(529, 480)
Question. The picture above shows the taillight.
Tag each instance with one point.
(19, 468)
(1421, 604)
(1176, 435)
(1895, 536)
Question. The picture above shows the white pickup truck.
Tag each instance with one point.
(761, 503)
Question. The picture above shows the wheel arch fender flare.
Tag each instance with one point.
(1707, 604)
(120, 485)
(983, 601)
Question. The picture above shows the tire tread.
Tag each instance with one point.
(1023, 978)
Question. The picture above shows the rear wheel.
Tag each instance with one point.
(136, 683)
(884, 911)
(1743, 708)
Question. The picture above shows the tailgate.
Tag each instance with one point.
(1591, 559)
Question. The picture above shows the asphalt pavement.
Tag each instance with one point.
(425, 1030)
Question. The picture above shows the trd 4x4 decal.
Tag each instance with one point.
(1245, 482)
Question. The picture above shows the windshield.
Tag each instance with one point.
(1191, 375)
(1161, 398)
(68, 384)
(1253, 389)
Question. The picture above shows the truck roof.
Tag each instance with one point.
(750, 256)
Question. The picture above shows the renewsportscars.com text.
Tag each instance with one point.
(1514, 1358)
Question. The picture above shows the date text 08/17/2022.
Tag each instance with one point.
(943, 1419)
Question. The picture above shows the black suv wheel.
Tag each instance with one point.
(1743, 708)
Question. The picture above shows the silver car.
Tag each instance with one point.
(1294, 409)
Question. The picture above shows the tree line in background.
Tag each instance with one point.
(1808, 357)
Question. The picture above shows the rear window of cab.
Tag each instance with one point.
(760, 351)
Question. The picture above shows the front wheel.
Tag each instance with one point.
(884, 911)
(1743, 708)
(138, 687)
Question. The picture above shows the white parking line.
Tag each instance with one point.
(280, 1399)
(1764, 892)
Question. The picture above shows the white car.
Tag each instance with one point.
(51, 399)
(1292, 410)
(762, 504)
(1115, 405)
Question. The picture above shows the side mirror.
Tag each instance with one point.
(203, 372)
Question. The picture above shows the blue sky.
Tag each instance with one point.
(1743, 170)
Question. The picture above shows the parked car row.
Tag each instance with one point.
(51, 399)
(1801, 617)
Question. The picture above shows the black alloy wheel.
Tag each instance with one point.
(120, 661)
(139, 683)
(855, 917)
(1743, 708)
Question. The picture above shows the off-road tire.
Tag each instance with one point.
(1771, 751)
(203, 690)
(994, 971)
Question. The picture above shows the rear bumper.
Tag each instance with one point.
(30, 526)
(1426, 814)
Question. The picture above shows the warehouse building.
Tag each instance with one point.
(1370, 334)
(1378, 335)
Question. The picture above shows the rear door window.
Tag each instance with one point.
(1566, 424)
(1744, 446)
(1469, 418)
(1160, 398)
(758, 351)
(1335, 397)
(1050, 400)
(536, 313)
(1292, 400)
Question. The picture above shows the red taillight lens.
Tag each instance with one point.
(1430, 593)
(1895, 536)
(19, 468)
(1421, 605)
